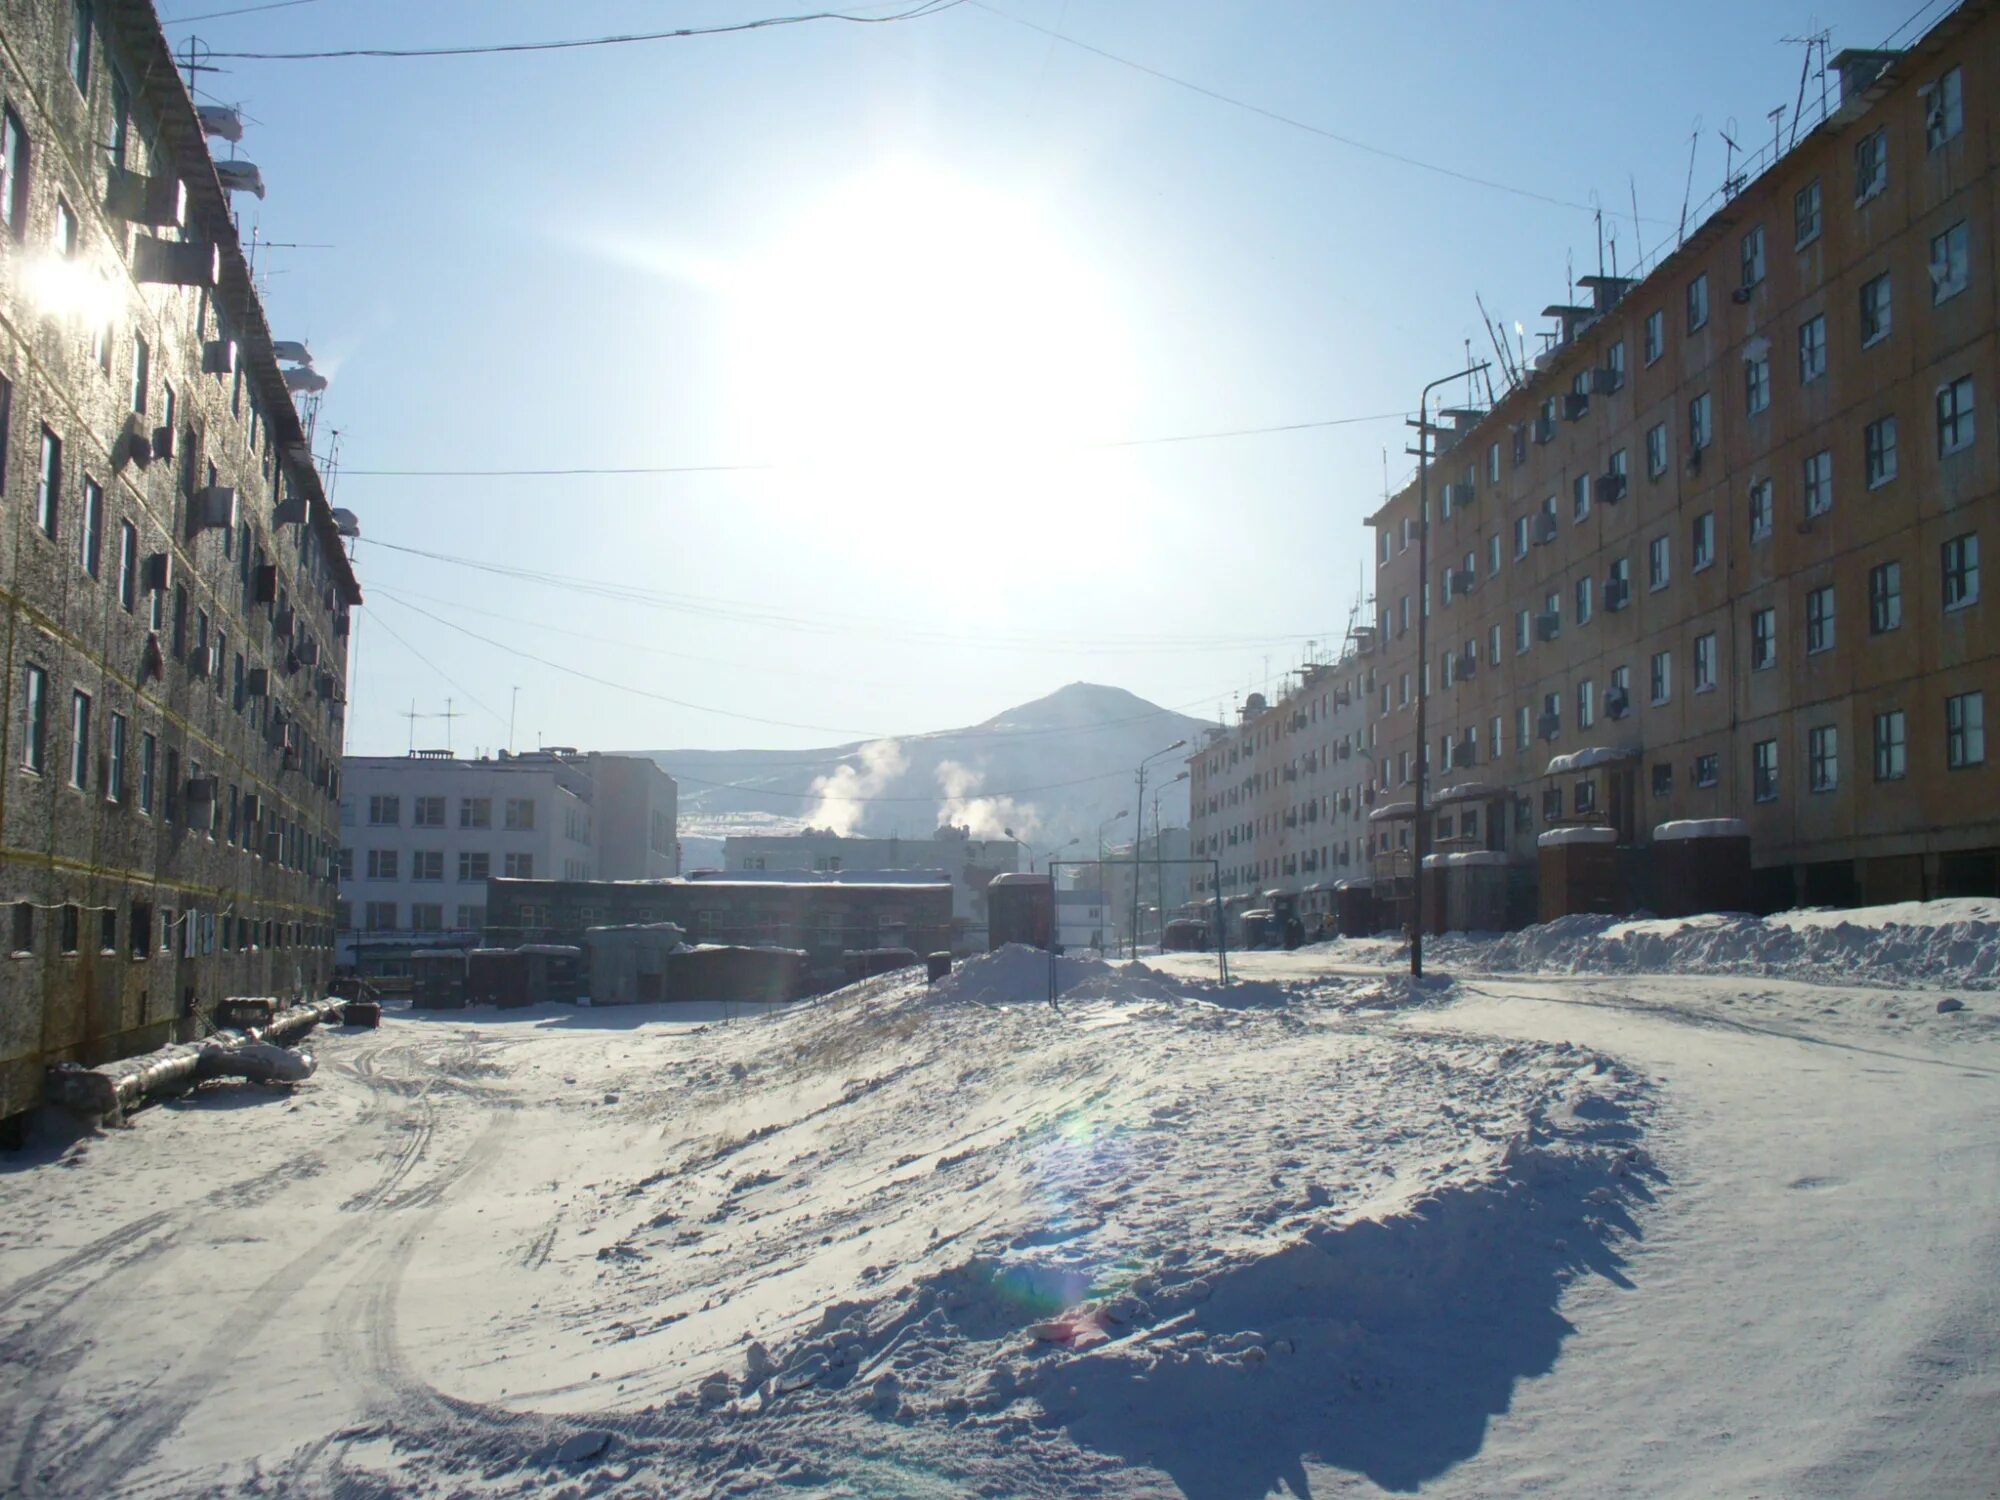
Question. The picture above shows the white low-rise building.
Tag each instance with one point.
(1083, 920)
(422, 833)
(971, 863)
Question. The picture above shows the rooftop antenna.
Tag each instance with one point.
(1812, 41)
(1687, 192)
(1499, 349)
(1597, 205)
(1732, 182)
(1638, 234)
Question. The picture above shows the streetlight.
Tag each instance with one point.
(1117, 817)
(1032, 856)
(1159, 885)
(1423, 426)
(1140, 822)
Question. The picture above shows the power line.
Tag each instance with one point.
(241, 10)
(757, 468)
(1283, 119)
(926, 8)
(395, 636)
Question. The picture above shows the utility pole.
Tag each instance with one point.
(1418, 840)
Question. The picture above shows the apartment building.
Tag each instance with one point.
(1726, 537)
(423, 833)
(1282, 799)
(177, 596)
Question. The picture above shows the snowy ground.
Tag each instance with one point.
(1321, 1233)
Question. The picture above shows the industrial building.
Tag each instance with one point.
(176, 591)
(969, 863)
(1724, 536)
(422, 833)
(826, 915)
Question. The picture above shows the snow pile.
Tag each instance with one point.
(1952, 942)
(1015, 975)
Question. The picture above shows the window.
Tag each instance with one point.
(1702, 541)
(1697, 302)
(520, 813)
(79, 45)
(1493, 463)
(380, 916)
(128, 566)
(427, 864)
(1656, 335)
(1552, 714)
(13, 174)
(148, 753)
(79, 739)
(48, 489)
(1753, 257)
(1523, 631)
(1871, 165)
(1954, 413)
(1586, 704)
(1656, 450)
(1960, 557)
(1704, 662)
(519, 866)
(1663, 779)
(1757, 381)
(1875, 317)
(1965, 730)
(1552, 804)
(1823, 758)
(1700, 427)
(474, 865)
(1878, 446)
(1659, 562)
(427, 812)
(68, 237)
(471, 918)
(382, 864)
(1819, 483)
(1885, 598)
(1493, 556)
(1707, 769)
(35, 702)
(1763, 639)
(1552, 611)
(1493, 646)
(114, 771)
(1944, 110)
(1819, 620)
(1579, 489)
(1523, 725)
(90, 540)
(1951, 263)
(475, 812)
(1764, 771)
(1805, 215)
(1520, 536)
(1891, 754)
(384, 812)
(1496, 737)
(1812, 349)
(1663, 676)
(1614, 363)
(1583, 600)
(1618, 584)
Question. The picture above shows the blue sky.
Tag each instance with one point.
(923, 271)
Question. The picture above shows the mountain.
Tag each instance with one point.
(1052, 770)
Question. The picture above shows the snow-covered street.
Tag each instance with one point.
(1324, 1233)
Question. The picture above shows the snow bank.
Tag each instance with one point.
(1952, 942)
(1014, 975)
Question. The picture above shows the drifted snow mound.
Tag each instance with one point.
(1953, 942)
(1014, 975)
(1017, 975)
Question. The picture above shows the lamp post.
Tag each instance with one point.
(1140, 822)
(1032, 856)
(1423, 426)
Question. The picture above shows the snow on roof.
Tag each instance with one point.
(1462, 857)
(1577, 835)
(1701, 828)
(1357, 883)
(1393, 810)
(1583, 760)
(1466, 791)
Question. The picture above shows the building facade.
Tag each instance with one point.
(824, 914)
(1282, 799)
(177, 595)
(1730, 531)
(423, 833)
(970, 863)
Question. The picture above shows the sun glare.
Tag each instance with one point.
(914, 340)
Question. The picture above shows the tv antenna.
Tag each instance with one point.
(1732, 180)
(448, 715)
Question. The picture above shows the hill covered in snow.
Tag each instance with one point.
(1052, 770)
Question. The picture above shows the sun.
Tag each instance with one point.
(923, 345)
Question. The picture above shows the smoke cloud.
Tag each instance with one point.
(842, 793)
(986, 817)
